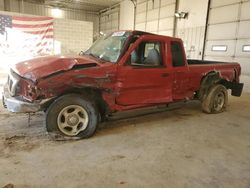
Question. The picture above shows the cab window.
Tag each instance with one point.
(148, 53)
(177, 54)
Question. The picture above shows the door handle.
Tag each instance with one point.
(165, 74)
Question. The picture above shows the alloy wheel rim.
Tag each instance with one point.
(72, 120)
(219, 101)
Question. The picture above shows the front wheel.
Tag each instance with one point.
(216, 100)
(72, 116)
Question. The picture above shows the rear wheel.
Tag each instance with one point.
(72, 116)
(216, 100)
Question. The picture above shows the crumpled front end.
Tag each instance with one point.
(48, 81)
(15, 103)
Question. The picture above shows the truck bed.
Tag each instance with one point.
(204, 62)
(199, 68)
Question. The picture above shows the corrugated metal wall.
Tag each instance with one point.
(109, 19)
(193, 39)
(156, 16)
(192, 29)
(228, 36)
(38, 9)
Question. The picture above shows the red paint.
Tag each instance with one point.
(37, 68)
(123, 86)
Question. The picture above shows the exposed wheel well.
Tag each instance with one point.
(209, 80)
(213, 78)
(93, 94)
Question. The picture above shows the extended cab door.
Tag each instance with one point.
(181, 74)
(143, 78)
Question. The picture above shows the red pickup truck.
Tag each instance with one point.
(121, 71)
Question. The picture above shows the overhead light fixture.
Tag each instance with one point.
(56, 12)
(181, 15)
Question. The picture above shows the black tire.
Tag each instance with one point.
(216, 100)
(55, 114)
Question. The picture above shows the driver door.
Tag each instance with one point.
(144, 78)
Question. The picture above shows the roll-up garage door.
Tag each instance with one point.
(228, 32)
(155, 16)
(109, 20)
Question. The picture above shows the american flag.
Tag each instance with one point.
(25, 34)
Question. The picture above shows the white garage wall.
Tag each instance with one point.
(229, 25)
(109, 19)
(192, 29)
(193, 40)
(126, 15)
(156, 16)
(74, 35)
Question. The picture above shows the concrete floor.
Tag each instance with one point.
(177, 148)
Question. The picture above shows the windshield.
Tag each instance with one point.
(110, 47)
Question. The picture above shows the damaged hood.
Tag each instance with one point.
(37, 68)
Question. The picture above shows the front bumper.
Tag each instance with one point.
(14, 104)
